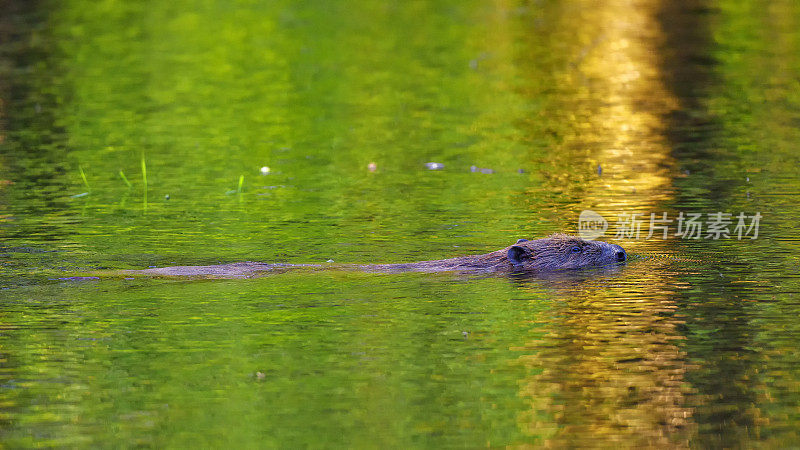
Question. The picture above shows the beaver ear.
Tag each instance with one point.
(517, 254)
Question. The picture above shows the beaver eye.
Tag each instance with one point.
(576, 249)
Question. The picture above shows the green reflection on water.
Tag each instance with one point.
(166, 360)
(738, 141)
(657, 354)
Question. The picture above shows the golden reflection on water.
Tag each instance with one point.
(609, 366)
(619, 103)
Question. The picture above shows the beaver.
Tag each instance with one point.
(553, 253)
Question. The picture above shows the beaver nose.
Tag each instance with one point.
(620, 253)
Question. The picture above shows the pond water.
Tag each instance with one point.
(138, 134)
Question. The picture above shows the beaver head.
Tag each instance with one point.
(562, 251)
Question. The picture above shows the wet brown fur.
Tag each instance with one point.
(552, 253)
(541, 255)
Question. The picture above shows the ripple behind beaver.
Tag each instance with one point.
(553, 253)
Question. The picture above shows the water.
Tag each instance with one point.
(689, 108)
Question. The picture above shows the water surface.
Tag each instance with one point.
(618, 107)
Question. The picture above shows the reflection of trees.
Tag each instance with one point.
(738, 94)
(609, 366)
(31, 141)
(608, 109)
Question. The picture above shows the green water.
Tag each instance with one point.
(691, 108)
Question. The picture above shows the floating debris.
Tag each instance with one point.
(372, 167)
(520, 170)
(475, 169)
(79, 278)
(434, 166)
(265, 170)
(475, 62)
(599, 169)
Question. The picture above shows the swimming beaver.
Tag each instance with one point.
(555, 252)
